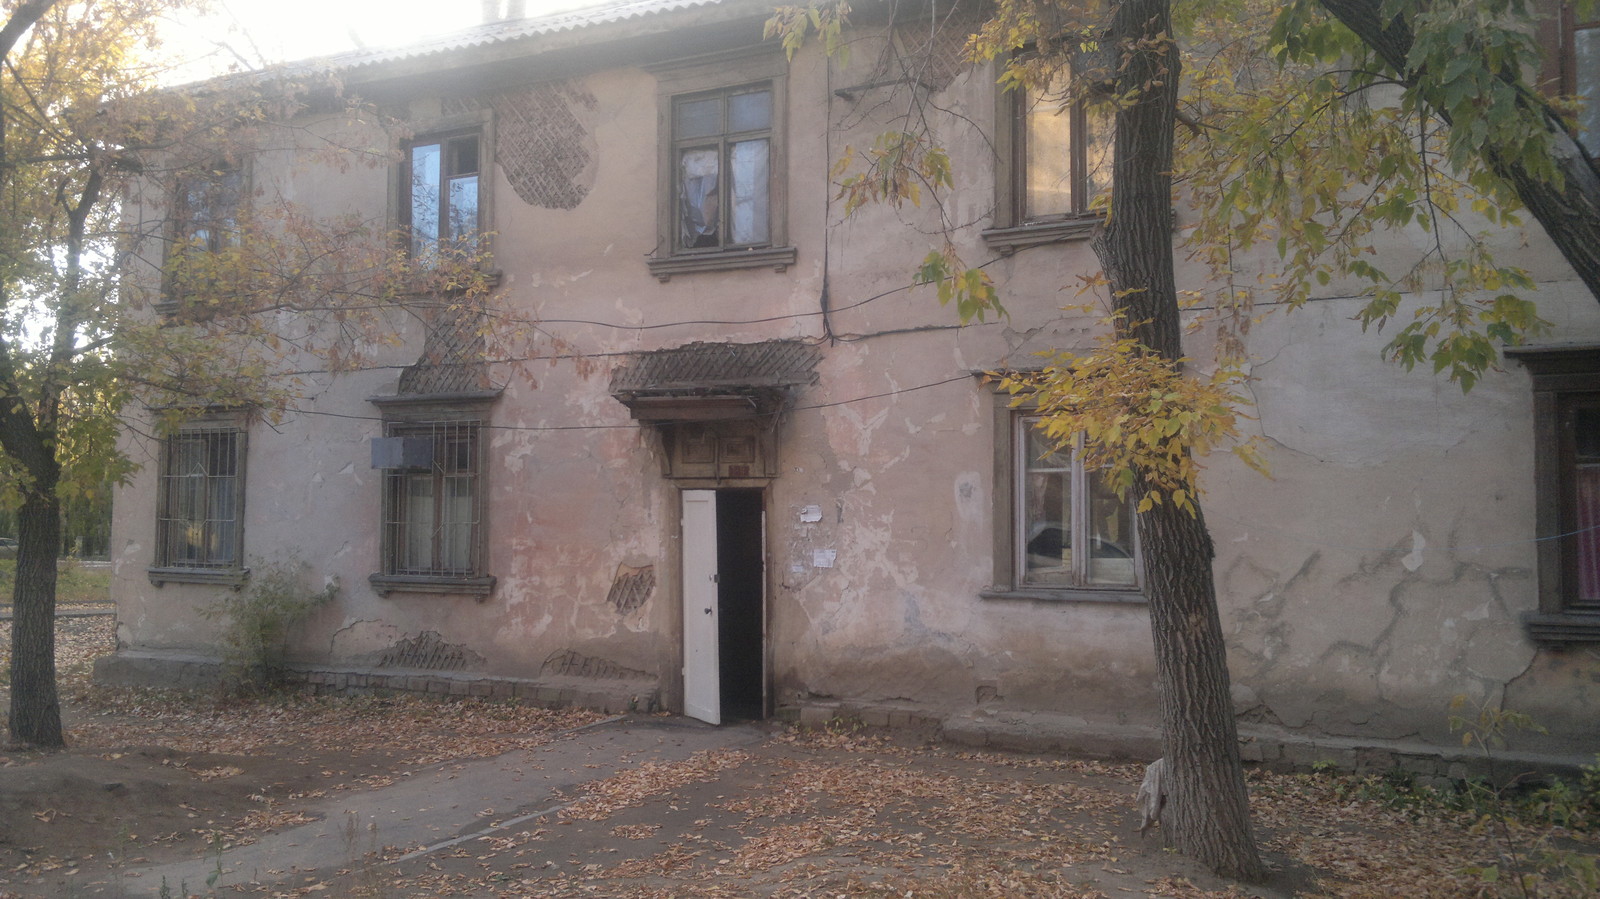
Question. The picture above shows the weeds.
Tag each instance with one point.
(259, 622)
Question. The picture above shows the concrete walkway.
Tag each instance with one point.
(440, 807)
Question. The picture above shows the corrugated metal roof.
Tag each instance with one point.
(517, 29)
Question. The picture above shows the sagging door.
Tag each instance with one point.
(724, 660)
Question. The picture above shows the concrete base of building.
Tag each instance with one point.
(143, 668)
(1273, 749)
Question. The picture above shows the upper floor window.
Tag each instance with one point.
(206, 208)
(1581, 52)
(722, 165)
(1572, 65)
(723, 146)
(443, 196)
(200, 510)
(1054, 164)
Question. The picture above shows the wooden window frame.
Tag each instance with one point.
(703, 76)
(1564, 379)
(232, 571)
(438, 129)
(1008, 476)
(183, 217)
(1013, 229)
(410, 416)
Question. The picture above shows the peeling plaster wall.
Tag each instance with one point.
(1378, 573)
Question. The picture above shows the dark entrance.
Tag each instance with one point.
(741, 582)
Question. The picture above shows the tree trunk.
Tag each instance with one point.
(1569, 211)
(1208, 806)
(35, 716)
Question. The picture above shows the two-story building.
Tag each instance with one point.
(753, 470)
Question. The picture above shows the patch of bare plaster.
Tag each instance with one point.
(570, 663)
(543, 147)
(1413, 560)
(428, 652)
(631, 588)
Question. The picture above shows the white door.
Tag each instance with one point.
(702, 689)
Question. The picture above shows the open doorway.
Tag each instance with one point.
(740, 589)
(724, 632)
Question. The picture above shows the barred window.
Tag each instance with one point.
(200, 519)
(433, 509)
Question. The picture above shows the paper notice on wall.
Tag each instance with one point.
(811, 514)
(823, 558)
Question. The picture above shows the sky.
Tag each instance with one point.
(250, 33)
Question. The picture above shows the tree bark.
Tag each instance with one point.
(1570, 211)
(1207, 802)
(35, 716)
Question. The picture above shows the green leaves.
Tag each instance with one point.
(971, 289)
(1144, 422)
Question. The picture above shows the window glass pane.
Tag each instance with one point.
(698, 118)
(463, 231)
(1045, 527)
(1586, 69)
(1109, 540)
(418, 525)
(456, 539)
(220, 517)
(750, 112)
(1100, 133)
(425, 199)
(1047, 150)
(463, 156)
(698, 197)
(748, 163)
(1586, 478)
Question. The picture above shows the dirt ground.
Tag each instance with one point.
(153, 777)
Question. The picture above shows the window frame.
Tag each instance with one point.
(699, 78)
(1564, 379)
(1013, 229)
(182, 219)
(165, 568)
(1009, 480)
(433, 415)
(1559, 29)
(440, 129)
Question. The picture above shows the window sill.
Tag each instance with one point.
(1066, 594)
(386, 584)
(1006, 241)
(1562, 628)
(227, 577)
(426, 283)
(776, 258)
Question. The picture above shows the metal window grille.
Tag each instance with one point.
(199, 524)
(432, 516)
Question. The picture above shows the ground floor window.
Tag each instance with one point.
(1060, 530)
(199, 524)
(432, 507)
(1071, 528)
(1566, 453)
